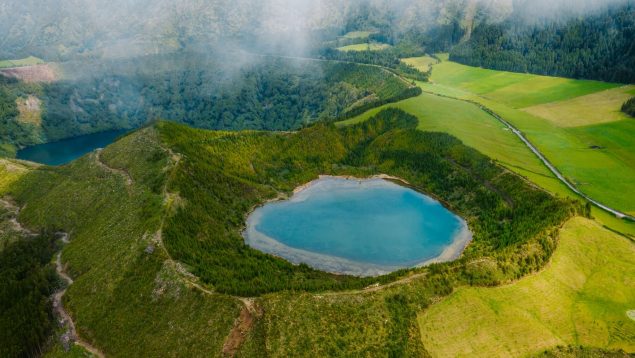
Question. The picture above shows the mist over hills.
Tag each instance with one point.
(64, 29)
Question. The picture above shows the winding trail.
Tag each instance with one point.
(242, 326)
(250, 311)
(15, 212)
(116, 171)
(70, 336)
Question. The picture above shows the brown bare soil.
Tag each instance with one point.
(243, 325)
(33, 74)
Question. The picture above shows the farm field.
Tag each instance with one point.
(357, 35)
(364, 47)
(597, 155)
(517, 90)
(581, 298)
(596, 108)
(421, 63)
(29, 61)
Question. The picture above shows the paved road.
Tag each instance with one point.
(542, 158)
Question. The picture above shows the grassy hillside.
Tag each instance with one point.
(29, 61)
(597, 108)
(596, 156)
(156, 251)
(580, 299)
(517, 90)
(371, 46)
(423, 63)
(122, 288)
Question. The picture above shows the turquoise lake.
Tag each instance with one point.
(67, 150)
(359, 227)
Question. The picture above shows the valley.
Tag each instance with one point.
(321, 178)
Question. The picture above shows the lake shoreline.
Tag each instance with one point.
(339, 265)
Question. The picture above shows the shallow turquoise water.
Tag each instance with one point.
(362, 227)
(67, 150)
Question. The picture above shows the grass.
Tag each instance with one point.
(421, 63)
(581, 298)
(121, 292)
(29, 61)
(353, 35)
(472, 126)
(373, 46)
(597, 108)
(604, 173)
(517, 90)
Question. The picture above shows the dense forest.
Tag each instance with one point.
(503, 211)
(389, 58)
(14, 132)
(247, 93)
(28, 281)
(599, 47)
(629, 107)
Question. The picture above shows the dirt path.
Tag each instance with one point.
(242, 326)
(70, 336)
(375, 287)
(104, 166)
(15, 212)
(250, 311)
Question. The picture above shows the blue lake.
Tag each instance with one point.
(67, 150)
(358, 227)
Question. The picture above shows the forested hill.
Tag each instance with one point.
(599, 47)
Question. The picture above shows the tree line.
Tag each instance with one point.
(597, 47)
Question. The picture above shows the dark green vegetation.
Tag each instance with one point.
(248, 168)
(28, 280)
(268, 94)
(596, 47)
(13, 132)
(389, 58)
(629, 107)
(582, 352)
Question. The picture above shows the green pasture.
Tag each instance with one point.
(373, 46)
(597, 108)
(421, 63)
(599, 158)
(517, 90)
(353, 35)
(29, 61)
(581, 298)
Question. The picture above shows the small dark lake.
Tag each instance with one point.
(67, 150)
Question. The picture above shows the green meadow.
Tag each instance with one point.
(373, 46)
(353, 35)
(581, 298)
(594, 149)
(29, 61)
(423, 63)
